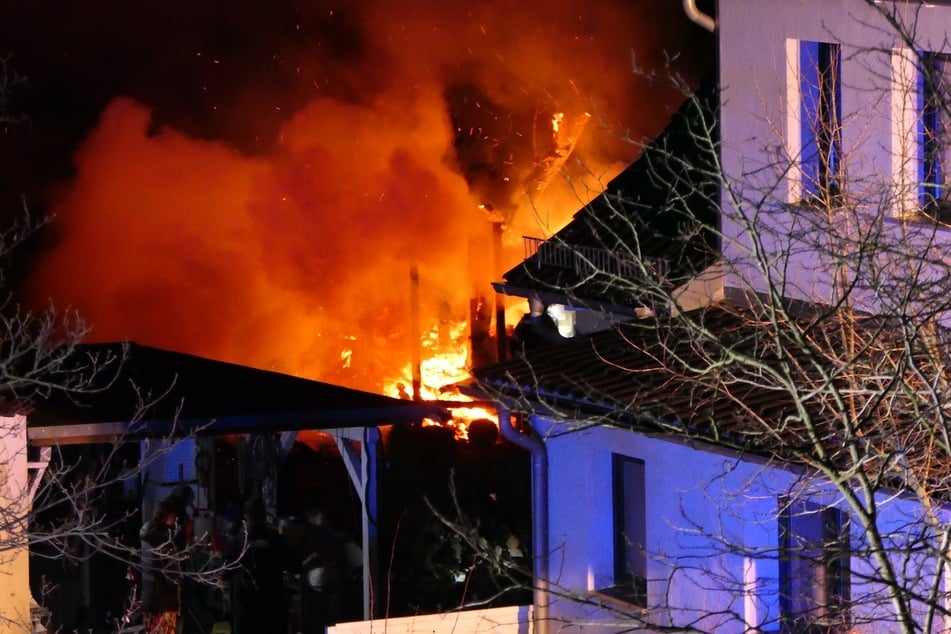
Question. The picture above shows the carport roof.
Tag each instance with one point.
(149, 392)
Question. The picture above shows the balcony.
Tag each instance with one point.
(590, 260)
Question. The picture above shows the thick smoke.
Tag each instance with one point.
(264, 179)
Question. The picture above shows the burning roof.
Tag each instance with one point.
(647, 213)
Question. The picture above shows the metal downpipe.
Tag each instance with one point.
(539, 457)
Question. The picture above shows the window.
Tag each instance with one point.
(934, 80)
(630, 531)
(820, 113)
(813, 568)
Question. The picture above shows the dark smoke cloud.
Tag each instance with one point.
(252, 181)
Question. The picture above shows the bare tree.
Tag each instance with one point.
(58, 505)
(797, 320)
(9, 81)
(53, 503)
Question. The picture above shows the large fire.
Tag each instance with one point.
(444, 362)
(294, 254)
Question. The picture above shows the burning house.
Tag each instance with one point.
(348, 233)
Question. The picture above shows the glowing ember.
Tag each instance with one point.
(462, 417)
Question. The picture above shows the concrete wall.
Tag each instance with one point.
(508, 620)
(15, 598)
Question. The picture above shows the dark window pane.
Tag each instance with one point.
(814, 573)
(630, 531)
(820, 112)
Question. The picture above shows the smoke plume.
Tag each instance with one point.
(261, 177)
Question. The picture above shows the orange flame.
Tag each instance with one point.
(445, 363)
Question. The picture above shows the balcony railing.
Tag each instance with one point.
(588, 260)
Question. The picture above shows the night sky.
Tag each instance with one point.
(251, 181)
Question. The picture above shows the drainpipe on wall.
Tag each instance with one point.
(539, 457)
(697, 16)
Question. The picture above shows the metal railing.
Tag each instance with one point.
(587, 260)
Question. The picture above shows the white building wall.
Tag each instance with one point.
(687, 491)
(760, 123)
(712, 534)
(505, 620)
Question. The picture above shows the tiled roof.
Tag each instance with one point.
(623, 373)
(642, 211)
(723, 374)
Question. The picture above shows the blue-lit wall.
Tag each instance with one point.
(712, 532)
(164, 465)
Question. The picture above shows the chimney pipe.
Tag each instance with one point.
(500, 334)
(414, 332)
